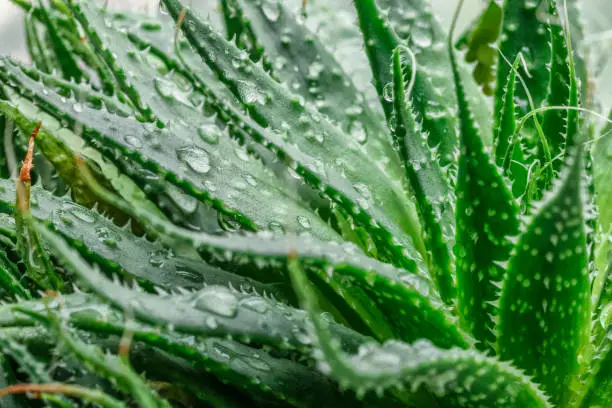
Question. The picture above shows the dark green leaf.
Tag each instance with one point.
(427, 181)
(545, 309)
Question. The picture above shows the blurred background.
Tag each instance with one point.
(596, 15)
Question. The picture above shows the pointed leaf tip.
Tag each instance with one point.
(26, 168)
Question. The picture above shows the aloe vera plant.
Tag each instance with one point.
(213, 208)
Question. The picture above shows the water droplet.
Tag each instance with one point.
(276, 226)
(133, 141)
(227, 222)
(218, 300)
(209, 133)
(271, 10)
(304, 222)
(388, 92)
(258, 364)
(359, 132)
(189, 274)
(171, 91)
(211, 323)
(108, 237)
(256, 304)
(185, 202)
(250, 94)
(158, 258)
(195, 157)
(83, 214)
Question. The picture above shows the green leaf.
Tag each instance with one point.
(410, 304)
(524, 30)
(427, 181)
(413, 23)
(40, 55)
(508, 144)
(59, 144)
(602, 173)
(64, 56)
(481, 43)
(113, 368)
(251, 370)
(486, 218)
(10, 276)
(301, 61)
(458, 377)
(324, 156)
(33, 254)
(220, 172)
(560, 126)
(213, 311)
(28, 364)
(117, 249)
(544, 311)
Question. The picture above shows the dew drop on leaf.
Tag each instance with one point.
(304, 222)
(388, 92)
(133, 141)
(83, 214)
(250, 94)
(189, 274)
(209, 133)
(258, 364)
(194, 157)
(276, 226)
(218, 300)
(256, 304)
(271, 10)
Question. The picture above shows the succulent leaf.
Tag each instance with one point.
(381, 207)
(545, 303)
(486, 218)
(458, 377)
(427, 181)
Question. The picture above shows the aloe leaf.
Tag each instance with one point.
(412, 23)
(508, 145)
(34, 369)
(7, 378)
(560, 126)
(34, 255)
(87, 312)
(458, 377)
(117, 249)
(28, 364)
(224, 176)
(600, 394)
(10, 276)
(332, 263)
(544, 310)
(602, 173)
(59, 144)
(111, 367)
(40, 55)
(381, 206)
(524, 30)
(254, 371)
(178, 56)
(486, 217)
(427, 181)
(65, 58)
(301, 61)
(213, 311)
